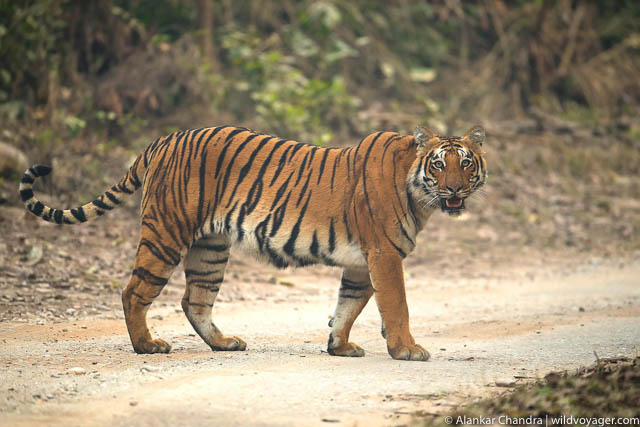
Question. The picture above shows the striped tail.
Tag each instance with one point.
(106, 202)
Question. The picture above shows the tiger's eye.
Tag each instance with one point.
(466, 163)
(438, 164)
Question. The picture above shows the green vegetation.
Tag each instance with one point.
(315, 69)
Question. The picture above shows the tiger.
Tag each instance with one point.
(293, 204)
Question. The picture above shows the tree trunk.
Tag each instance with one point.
(205, 21)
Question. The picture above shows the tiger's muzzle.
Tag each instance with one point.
(453, 205)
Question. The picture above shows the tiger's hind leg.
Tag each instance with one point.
(154, 264)
(355, 291)
(204, 267)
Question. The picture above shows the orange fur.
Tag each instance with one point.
(360, 208)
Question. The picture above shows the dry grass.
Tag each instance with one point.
(609, 388)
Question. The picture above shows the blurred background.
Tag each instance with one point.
(86, 85)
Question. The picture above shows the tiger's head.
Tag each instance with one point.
(448, 169)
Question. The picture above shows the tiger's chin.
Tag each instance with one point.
(453, 206)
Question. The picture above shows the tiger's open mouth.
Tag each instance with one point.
(452, 206)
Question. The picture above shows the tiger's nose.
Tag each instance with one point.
(456, 189)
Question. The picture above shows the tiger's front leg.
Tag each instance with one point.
(388, 281)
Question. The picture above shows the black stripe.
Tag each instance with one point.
(217, 248)
(297, 147)
(247, 166)
(281, 163)
(79, 214)
(289, 247)
(314, 244)
(261, 232)
(141, 298)
(198, 142)
(134, 180)
(200, 273)
(197, 304)
(216, 262)
(340, 295)
(58, 215)
(275, 257)
(27, 179)
(343, 279)
(102, 205)
(26, 194)
(333, 173)
(151, 148)
(265, 164)
(149, 277)
(322, 164)
(397, 248)
(302, 167)
(328, 261)
(278, 216)
(358, 147)
(304, 188)
(364, 173)
(240, 221)
(227, 175)
(124, 189)
(332, 236)
(49, 214)
(355, 216)
(207, 287)
(387, 144)
(40, 170)
(396, 188)
(280, 192)
(256, 189)
(314, 149)
(346, 226)
(171, 258)
(112, 198)
(227, 218)
(352, 286)
(401, 225)
(203, 175)
(208, 283)
(216, 131)
(254, 196)
(37, 208)
(226, 147)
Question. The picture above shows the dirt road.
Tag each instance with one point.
(479, 331)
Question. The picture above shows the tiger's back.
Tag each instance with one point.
(270, 196)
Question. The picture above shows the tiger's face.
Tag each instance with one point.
(447, 170)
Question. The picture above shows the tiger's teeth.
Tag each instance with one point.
(453, 202)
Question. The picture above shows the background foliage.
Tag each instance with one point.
(315, 69)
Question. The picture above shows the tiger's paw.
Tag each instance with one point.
(345, 349)
(409, 352)
(152, 346)
(228, 344)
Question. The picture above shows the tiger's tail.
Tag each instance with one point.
(110, 199)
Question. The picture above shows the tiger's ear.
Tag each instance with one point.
(422, 135)
(475, 135)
